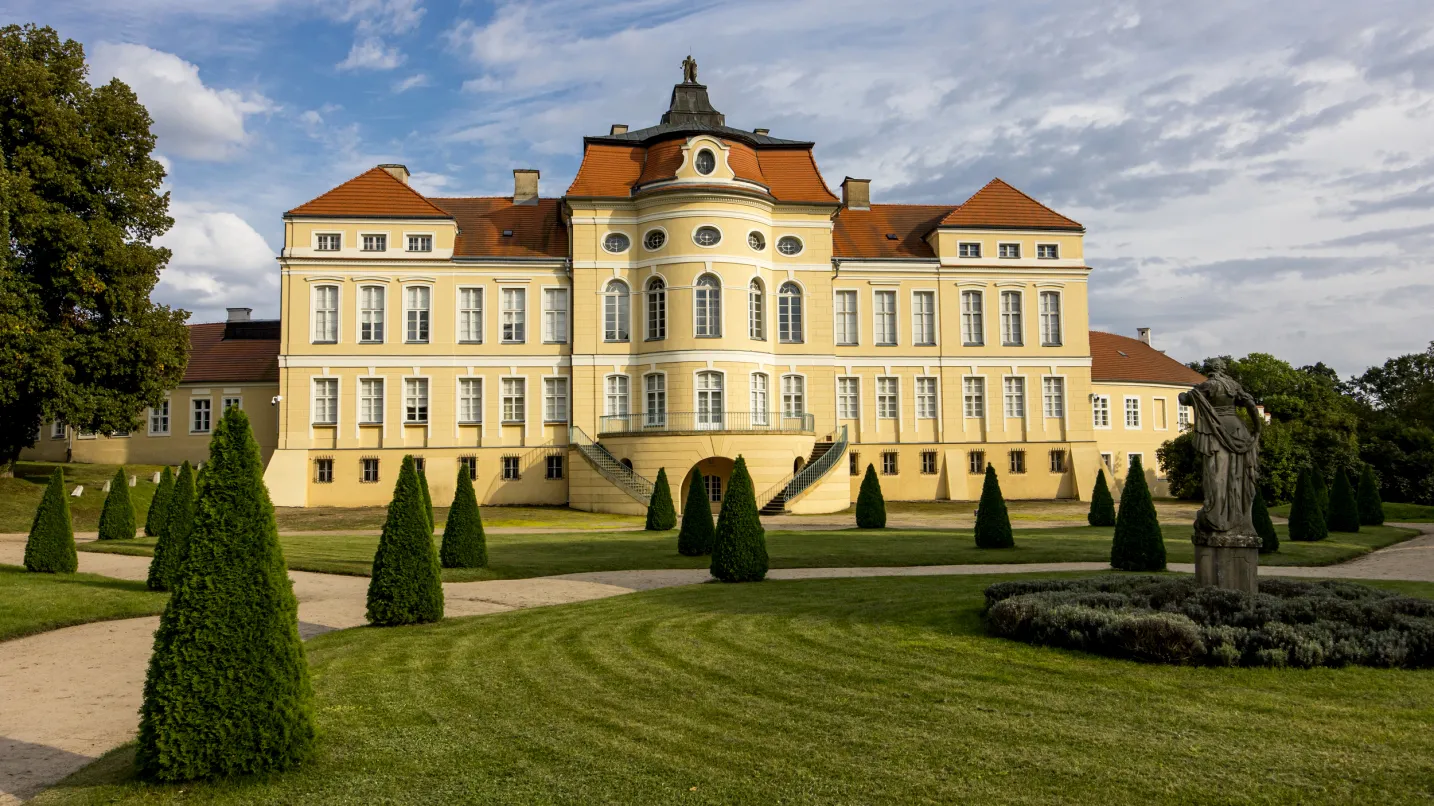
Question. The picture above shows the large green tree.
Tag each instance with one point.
(81, 204)
(1395, 406)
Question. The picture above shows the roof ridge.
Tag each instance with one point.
(1028, 197)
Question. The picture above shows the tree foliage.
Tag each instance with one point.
(1264, 527)
(406, 586)
(1307, 522)
(1343, 506)
(698, 532)
(117, 517)
(427, 500)
(739, 550)
(1182, 467)
(464, 545)
(870, 504)
(228, 689)
(1321, 493)
(159, 505)
(82, 202)
(661, 515)
(1138, 544)
(1395, 406)
(50, 547)
(1371, 507)
(1102, 506)
(173, 543)
(993, 523)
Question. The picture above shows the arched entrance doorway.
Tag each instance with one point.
(712, 473)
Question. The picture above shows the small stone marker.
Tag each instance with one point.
(105, 488)
(78, 491)
(155, 478)
(133, 481)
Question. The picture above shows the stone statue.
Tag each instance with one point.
(689, 70)
(1226, 544)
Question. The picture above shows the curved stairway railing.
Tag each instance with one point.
(622, 476)
(797, 483)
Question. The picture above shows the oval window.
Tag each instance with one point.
(706, 162)
(756, 241)
(789, 245)
(707, 236)
(616, 242)
(654, 240)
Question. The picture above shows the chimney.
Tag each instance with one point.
(761, 131)
(856, 193)
(399, 172)
(525, 186)
(239, 314)
(618, 128)
(1143, 334)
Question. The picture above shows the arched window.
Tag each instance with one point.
(656, 309)
(708, 312)
(616, 311)
(756, 311)
(789, 313)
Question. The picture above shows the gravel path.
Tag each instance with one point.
(72, 694)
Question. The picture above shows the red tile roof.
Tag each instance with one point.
(793, 176)
(862, 233)
(790, 174)
(1000, 206)
(374, 192)
(608, 170)
(538, 229)
(214, 359)
(1119, 358)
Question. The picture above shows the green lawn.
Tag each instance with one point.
(819, 691)
(21, 495)
(31, 603)
(528, 555)
(340, 519)
(1393, 513)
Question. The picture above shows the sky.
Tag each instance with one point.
(1251, 176)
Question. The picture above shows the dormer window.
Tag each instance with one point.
(706, 162)
(420, 243)
(375, 243)
(1009, 251)
(1047, 251)
(328, 242)
(969, 249)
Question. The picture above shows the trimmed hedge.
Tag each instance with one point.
(427, 500)
(698, 533)
(406, 586)
(1170, 619)
(50, 548)
(228, 690)
(117, 518)
(154, 517)
(870, 504)
(1306, 520)
(1343, 507)
(1102, 505)
(464, 545)
(661, 515)
(1264, 527)
(1371, 507)
(1321, 492)
(993, 523)
(173, 545)
(1138, 544)
(739, 552)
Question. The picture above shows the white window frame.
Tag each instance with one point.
(1003, 246)
(507, 385)
(1014, 403)
(556, 391)
(791, 313)
(513, 320)
(1127, 411)
(757, 309)
(894, 396)
(968, 250)
(973, 322)
(1184, 418)
(878, 329)
(700, 290)
(473, 333)
(1057, 334)
(1100, 411)
(720, 411)
(58, 429)
(364, 240)
(338, 243)
(849, 402)
(474, 403)
(425, 394)
(315, 314)
(928, 405)
(194, 410)
(760, 397)
(1056, 412)
(721, 236)
(555, 318)
(1129, 464)
(973, 397)
(617, 395)
(849, 321)
(918, 338)
(230, 401)
(648, 232)
(426, 320)
(366, 400)
(1108, 459)
(654, 399)
(381, 324)
(1054, 247)
(1013, 323)
(654, 308)
(794, 395)
(602, 242)
(408, 238)
(616, 311)
(777, 245)
(160, 413)
(316, 413)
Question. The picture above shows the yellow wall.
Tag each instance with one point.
(1158, 424)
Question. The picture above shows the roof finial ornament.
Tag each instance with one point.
(689, 70)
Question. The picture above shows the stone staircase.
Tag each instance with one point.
(825, 454)
(621, 476)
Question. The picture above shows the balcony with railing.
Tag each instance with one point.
(696, 422)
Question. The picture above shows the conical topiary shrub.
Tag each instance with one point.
(1102, 505)
(1306, 521)
(870, 504)
(739, 552)
(117, 518)
(1264, 527)
(50, 548)
(1138, 543)
(993, 523)
(406, 586)
(159, 504)
(427, 500)
(464, 545)
(1371, 507)
(228, 689)
(697, 533)
(172, 545)
(1343, 508)
(1321, 492)
(661, 515)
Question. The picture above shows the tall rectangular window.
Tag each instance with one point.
(420, 243)
(326, 314)
(973, 333)
(515, 404)
(1132, 412)
(756, 311)
(886, 398)
(1058, 461)
(470, 400)
(554, 466)
(1015, 397)
(974, 396)
(848, 398)
(657, 310)
(57, 428)
(1012, 334)
(511, 471)
(515, 315)
(1050, 319)
(375, 243)
(417, 298)
(888, 463)
(794, 395)
(555, 400)
(324, 470)
(1053, 396)
(1018, 461)
(761, 398)
(884, 322)
(1183, 418)
(655, 388)
(415, 400)
(925, 398)
(928, 463)
(853, 463)
(976, 462)
(1100, 411)
(368, 470)
(326, 402)
(158, 421)
(370, 400)
(846, 323)
(371, 314)
(470, 315)
(555, 315)
(616, 404)
(923, 317)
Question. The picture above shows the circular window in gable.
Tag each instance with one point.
(756, 241)
(789, 245)
(707, 236)
(706, 162)
(654, 240)
(616, 242)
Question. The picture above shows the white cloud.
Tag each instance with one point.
(190, 119)
(412, 82)
(371, 53)
(431, 184)
(219, 261)
(379, 16)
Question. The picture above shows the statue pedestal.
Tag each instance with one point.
(1227, 561)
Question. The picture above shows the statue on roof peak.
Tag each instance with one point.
(689, 70)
